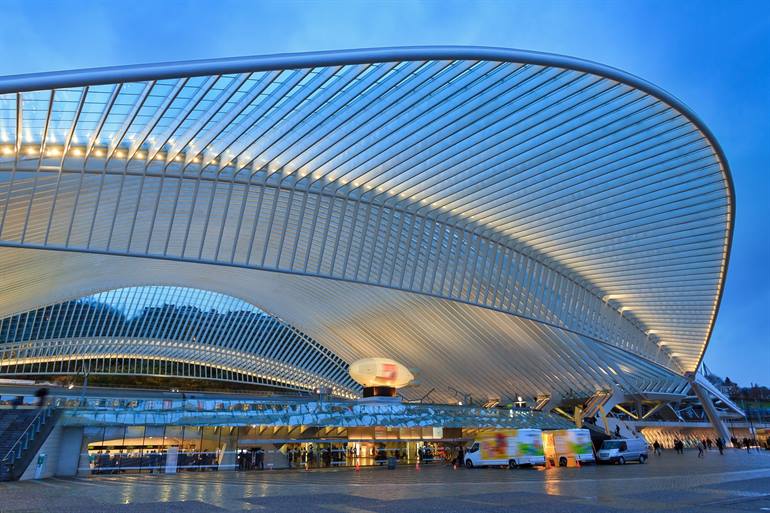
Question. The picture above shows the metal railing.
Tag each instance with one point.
(22, 443)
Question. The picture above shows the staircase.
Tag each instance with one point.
(626, 431)
(22, 432)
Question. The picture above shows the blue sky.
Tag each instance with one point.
(713, 55)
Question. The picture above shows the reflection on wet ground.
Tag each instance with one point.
(734, 482)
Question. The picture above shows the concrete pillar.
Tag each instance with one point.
(578, 416)
(69, 451)
(711, 412)
(603, 416)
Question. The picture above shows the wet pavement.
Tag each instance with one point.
(734, 482)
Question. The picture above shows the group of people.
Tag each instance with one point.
(120, 461)
(251, 460)
(707, 444)
(310, 456)
(747, 443)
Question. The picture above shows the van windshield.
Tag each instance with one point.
(612, 444)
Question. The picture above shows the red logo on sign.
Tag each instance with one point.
(387, 371)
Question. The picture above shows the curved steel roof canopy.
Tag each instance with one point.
(536, 200)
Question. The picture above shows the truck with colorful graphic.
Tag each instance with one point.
(507, 447)
(565, 447)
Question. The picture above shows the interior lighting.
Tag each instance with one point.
(7, 150)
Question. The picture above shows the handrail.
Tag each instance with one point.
(25, 437)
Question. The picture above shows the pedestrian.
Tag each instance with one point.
(747, 443)
(41, 395)
(656, 447)
(720, 446)
(260, 463)
(701, 448)
(708, 443)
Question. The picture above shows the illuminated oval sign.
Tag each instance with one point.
(372, 372)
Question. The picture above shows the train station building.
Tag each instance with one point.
(541, 241)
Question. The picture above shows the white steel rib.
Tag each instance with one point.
(534, 222)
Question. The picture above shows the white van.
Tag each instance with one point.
(623, 450)
(507, 447)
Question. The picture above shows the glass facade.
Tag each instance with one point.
(167, 331)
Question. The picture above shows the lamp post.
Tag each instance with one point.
(85, 385)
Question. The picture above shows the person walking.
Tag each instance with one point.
(260, 459)
(41, 395)
(656, 447)
(701, 448)
(721, 446)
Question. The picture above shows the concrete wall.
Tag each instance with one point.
(62, 452)
(51, 449)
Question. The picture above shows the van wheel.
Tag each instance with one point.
(642, 459)
(621, 460)
(562, 461)
(512, 464)
(468, 464)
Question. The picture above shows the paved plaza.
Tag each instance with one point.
(733, 482)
